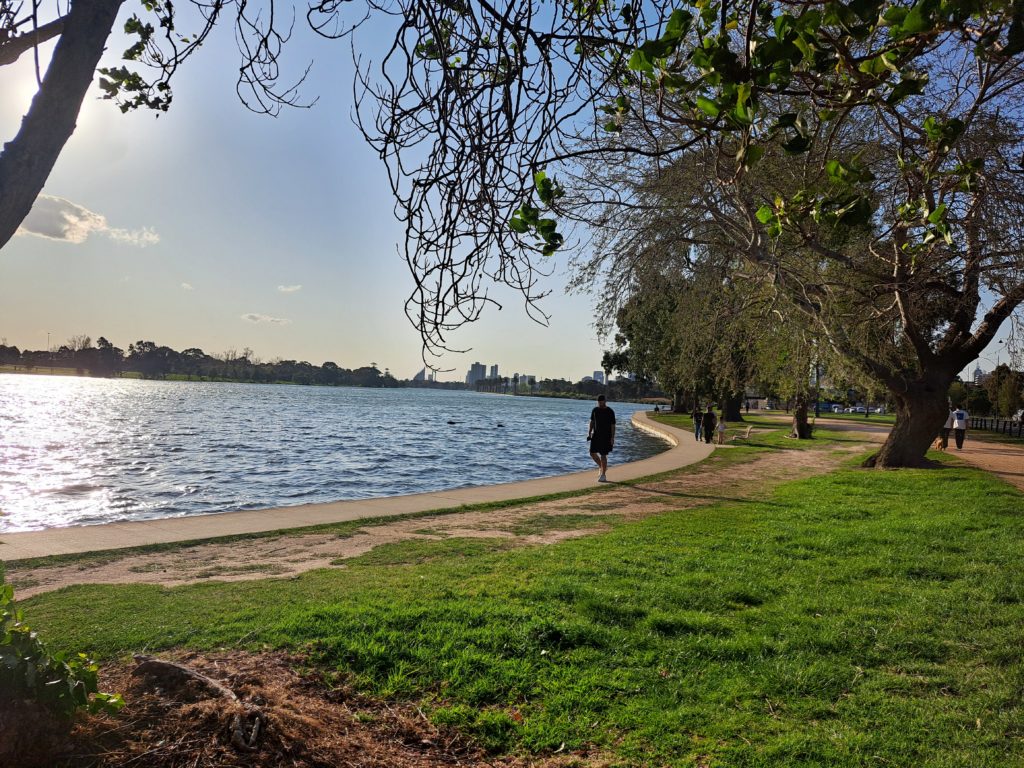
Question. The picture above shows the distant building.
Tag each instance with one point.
(421, 376)
(494, 372)
(979, 375)
(477, 372)
(599, 377)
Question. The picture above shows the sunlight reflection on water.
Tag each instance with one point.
(84, 451)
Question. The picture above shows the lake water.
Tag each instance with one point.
(87, 451)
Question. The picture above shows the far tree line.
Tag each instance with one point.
(154, 361)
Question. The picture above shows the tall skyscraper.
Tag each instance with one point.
(477, 372)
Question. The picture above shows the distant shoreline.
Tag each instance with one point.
(453, 386)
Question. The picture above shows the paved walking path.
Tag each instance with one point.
(57, 541)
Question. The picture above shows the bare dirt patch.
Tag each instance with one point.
(308, 724)
(288, 555)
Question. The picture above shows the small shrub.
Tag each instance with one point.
(59, 682)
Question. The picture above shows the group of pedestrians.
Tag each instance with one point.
(708, 425)
(601, 433)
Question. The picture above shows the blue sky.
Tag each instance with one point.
(214, 227)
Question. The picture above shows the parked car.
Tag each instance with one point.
(1018, 416)
(837, 409)
(859, 409)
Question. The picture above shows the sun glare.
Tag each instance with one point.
(17, 87)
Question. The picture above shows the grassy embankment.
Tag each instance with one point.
(858, 618)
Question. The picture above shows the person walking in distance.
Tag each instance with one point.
(601, 435)
(708, 424)
(698, 420)
(959, 426)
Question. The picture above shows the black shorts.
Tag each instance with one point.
(601, 445)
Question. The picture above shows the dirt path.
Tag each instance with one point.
(530, 524)
(1004, 460)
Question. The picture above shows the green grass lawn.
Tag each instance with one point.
(862, 618)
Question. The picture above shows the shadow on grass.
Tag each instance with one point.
(700, 496)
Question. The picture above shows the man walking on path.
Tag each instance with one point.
(708, 424)
(698, 419)
(601, 435)
(959, 426)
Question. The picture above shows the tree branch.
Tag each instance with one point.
(27, 160)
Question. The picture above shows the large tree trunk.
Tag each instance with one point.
(920, 414)
(801, 427)
(732, 406)
(27, 160)
(679, 404)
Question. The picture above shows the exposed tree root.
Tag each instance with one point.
(172, 674)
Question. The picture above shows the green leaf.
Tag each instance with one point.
(938, 214)
(856, 213)
(678, 23)
(765, 214)
(866, 10)
(908, 86)
(658, 49)
(918, 18)
(783, 24)
(707, 106)
(640, 62)
(894, 16)
(752, 154)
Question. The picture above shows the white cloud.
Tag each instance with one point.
(58, 219)
(289, 288)
(252, 317)
(187, 287)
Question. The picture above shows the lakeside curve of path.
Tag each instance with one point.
(81, 539)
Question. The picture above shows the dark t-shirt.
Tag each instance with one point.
(603, 419)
